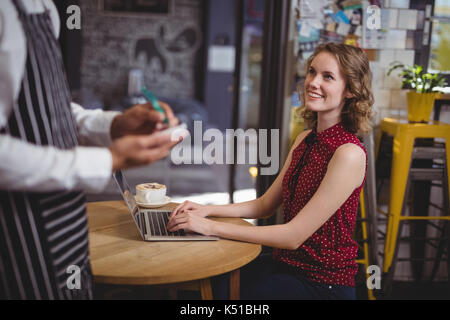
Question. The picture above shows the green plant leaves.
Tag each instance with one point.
(415, 78)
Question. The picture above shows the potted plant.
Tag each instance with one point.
(421, 98)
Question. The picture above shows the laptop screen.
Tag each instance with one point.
(128, 196)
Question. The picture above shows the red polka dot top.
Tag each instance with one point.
(328, 256)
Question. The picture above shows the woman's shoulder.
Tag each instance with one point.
(352, 159)
(350, 152)
(345, 137)
(356, 144)
(350, 148)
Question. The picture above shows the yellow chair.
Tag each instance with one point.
(365, 239)
(404, 135)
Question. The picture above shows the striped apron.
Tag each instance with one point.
(44, 249)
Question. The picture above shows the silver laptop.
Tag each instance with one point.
(152, 223)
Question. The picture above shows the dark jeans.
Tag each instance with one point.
(266, 278)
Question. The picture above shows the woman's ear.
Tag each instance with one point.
(348, 95)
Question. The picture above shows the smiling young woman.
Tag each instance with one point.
(318, 186)
(350, 69)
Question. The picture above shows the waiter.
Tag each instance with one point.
(44, 170)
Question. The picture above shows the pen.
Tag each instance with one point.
(152, 99)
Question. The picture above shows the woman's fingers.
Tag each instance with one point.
(178, 222)
(188, 221)
(175, 211)
(178, 209)
(181, 226)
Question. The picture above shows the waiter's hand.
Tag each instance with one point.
(138, 150)
(141, 119)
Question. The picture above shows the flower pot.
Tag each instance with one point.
(420, 106)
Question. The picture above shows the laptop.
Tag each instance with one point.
(152, 223)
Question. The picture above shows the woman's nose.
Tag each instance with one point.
(314, 83)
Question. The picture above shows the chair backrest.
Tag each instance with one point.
(370, 197)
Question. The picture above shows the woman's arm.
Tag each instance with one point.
(345, 173)
(263, 207)
(273, 197)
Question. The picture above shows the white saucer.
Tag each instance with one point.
(153, 205)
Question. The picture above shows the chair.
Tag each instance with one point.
(402, 174)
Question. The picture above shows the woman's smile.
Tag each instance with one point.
(314, 96)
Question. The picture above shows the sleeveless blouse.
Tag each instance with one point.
(328, 256)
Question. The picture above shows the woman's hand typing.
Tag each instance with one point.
(189, 215)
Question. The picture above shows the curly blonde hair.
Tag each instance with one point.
(354, 66)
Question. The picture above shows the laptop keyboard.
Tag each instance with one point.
(155, 223)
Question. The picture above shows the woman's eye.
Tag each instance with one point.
(328, 77)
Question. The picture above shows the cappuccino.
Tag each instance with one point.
(150, 192)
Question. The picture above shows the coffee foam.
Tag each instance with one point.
(150, 186)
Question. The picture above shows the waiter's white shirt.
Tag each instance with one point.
(28, 167)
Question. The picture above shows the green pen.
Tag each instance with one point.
(152, 99)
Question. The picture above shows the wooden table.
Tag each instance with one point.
(120, 256)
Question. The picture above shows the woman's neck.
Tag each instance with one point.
(324, 124)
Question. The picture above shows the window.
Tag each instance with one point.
(439, 60)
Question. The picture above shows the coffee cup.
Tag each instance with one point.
(151, 192)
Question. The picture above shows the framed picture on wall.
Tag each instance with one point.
(136, 7)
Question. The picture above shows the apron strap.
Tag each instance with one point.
(20, 7)
(23, 11)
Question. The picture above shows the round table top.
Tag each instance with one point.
(120, 256)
